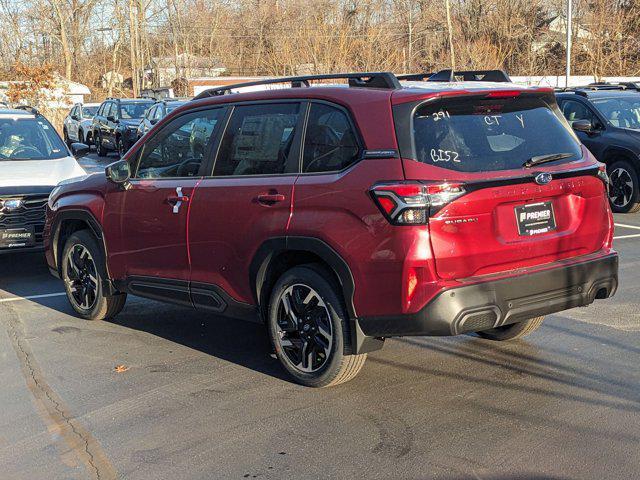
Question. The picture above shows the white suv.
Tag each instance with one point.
(77, 124)
(33, 160)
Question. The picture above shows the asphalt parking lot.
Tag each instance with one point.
(200, 397)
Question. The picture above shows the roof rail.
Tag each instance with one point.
(366, 79)
(414, 77)
(29, 109)
(462, 75)
(615, 85)
(597, 86)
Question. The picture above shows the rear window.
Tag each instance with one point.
(474, 135)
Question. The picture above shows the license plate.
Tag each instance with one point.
(535, 218)
(17, 237)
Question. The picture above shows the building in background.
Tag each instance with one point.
(161, 71)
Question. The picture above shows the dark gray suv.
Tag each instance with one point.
(115, 125)
(606, 118)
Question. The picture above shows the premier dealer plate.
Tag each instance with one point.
(535, 218)
(17, 237)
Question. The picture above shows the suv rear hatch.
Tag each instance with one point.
(507, 203)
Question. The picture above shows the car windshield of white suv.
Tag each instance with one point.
(620, 112)
(89, 112)
(475, 135)
(29, 139)
(133, 110)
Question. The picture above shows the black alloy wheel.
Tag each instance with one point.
(310, 329)
(305, 332)
(624, 190)
(82, 277)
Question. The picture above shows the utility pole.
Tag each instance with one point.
(450, 27)
(569, 22)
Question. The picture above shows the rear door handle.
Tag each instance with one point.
(270, 198)
(178, 200)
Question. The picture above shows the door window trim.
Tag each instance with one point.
(206, 157)
(356, 132)
(296, 145)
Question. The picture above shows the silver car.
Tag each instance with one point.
(77, 124)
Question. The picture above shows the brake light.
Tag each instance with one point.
(504, 94)
(412, 203)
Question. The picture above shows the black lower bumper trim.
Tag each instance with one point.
(489, 304)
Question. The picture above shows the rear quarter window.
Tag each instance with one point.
(475, 135)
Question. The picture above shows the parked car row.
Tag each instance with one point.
(340, 217)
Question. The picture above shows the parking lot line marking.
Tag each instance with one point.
(637, 235)
(31, 297)
(626, 226)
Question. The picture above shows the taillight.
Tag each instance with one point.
(412, 203)
(602, 175)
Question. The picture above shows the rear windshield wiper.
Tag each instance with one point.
(537, 160)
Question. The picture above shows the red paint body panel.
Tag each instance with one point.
(228, 225)
(143, 235)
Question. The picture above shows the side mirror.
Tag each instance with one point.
(75, 117)
(118, 172)
(111, 118)
(584, 126)
(79, 149)
(153, 121)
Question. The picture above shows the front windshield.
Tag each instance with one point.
(133, 110)
(24, 138)
(89, 112)
(620, 112)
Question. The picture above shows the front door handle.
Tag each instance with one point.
(270, 198)
(178, 200)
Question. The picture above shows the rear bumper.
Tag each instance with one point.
(493, 303)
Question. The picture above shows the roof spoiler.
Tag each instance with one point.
(366, 79)
(459, 75)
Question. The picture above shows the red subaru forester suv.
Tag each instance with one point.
(341, 215)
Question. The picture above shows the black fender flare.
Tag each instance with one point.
(273, 247)
(614, 151)
(81, 215)
(270, 249)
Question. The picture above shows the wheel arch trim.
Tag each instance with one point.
(79, 215)
(271, 248)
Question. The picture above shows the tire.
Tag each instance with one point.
(624, 187)
(89, 140)
(323, 328)
(65, 136)
(513, 331)
(81, 137)
(83, 271)
(102, 152)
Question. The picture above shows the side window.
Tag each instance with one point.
(151, 113)
(74, 111)
(259, 141)
(574, 111)
(100, 110)
(330, 142)
(179, 149)
(107, 109)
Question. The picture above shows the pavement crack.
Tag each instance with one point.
(53, 411)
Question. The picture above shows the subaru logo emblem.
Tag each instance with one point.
(543, 178)
(10, 205)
